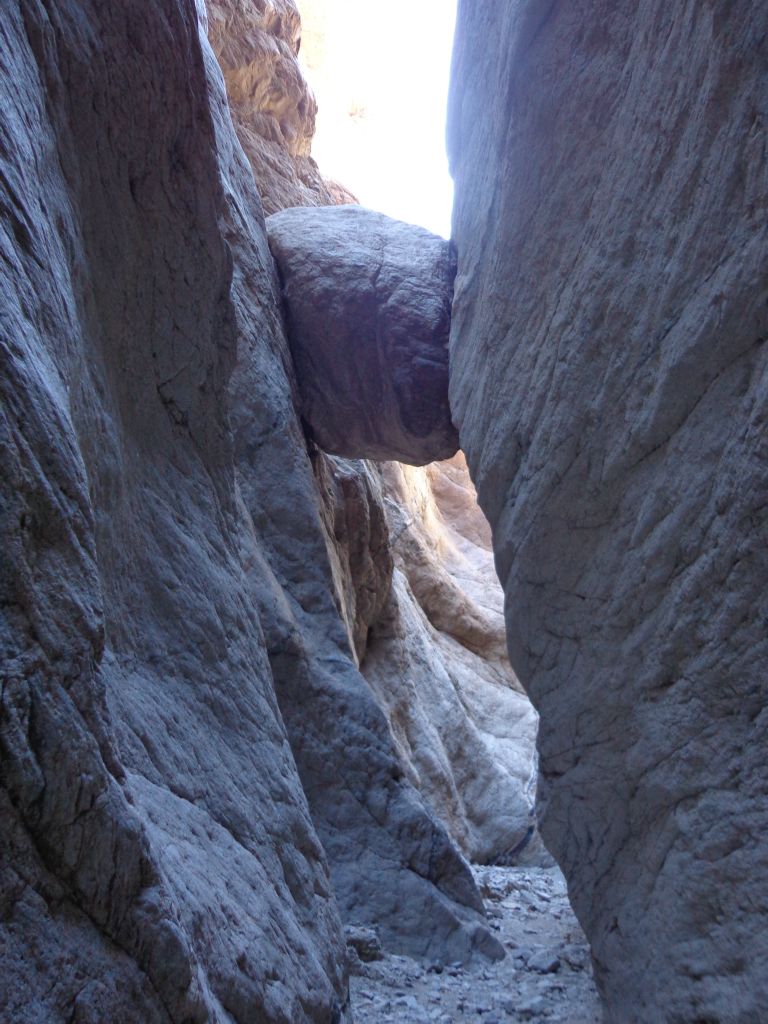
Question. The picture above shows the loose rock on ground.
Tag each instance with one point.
(546, 975)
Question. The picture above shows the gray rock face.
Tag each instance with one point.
(609, 378)
(167, 566)
(392, 862)
(158, 861)
(368, 304)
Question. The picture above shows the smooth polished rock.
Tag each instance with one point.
(436, 659)
(368, 308)
(609, 376)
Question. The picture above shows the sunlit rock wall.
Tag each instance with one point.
(257, 44)
(609, 380)
(437, 660)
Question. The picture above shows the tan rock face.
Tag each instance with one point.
(256, 43)
(437, 660)
(610, 381)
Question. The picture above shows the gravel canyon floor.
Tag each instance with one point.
(545, 976)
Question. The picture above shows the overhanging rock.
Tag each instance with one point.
(368, 308)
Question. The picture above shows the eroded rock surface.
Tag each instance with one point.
(368, 306)
(273, 109)
(159, 862)
(436, 658)
(609, 378)
(170, 613)
(322, 577)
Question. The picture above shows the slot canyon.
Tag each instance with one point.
(383, 617)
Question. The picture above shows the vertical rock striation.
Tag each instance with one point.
(158, 861)
(609, 379)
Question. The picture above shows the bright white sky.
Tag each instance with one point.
(380, 73)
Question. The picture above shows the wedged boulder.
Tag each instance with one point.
(368, 309)
(609, 375)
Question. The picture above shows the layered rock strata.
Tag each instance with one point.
(368, 307)
(609, 379)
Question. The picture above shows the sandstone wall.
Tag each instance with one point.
(609, 380)
(257, 44)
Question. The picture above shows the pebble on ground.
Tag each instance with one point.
(546, 975)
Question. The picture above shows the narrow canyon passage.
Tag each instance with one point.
(466, 732)
(545, 976)
(263, 757)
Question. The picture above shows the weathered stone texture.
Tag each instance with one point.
(609, 379)
(257, 44)
(368, 309)
(322, 576)
(159, 862)
(436, 659)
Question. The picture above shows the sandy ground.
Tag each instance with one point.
(546, 975)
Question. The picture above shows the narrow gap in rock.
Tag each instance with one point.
(466, 734)
(418, 587)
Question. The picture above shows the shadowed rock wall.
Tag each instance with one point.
(159, 862)
(609, 380)
(167, 566)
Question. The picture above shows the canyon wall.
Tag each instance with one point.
(196, 775)
(609, 376)
(367, 303)
(159, 861)
(437, 660)
(257, 43)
